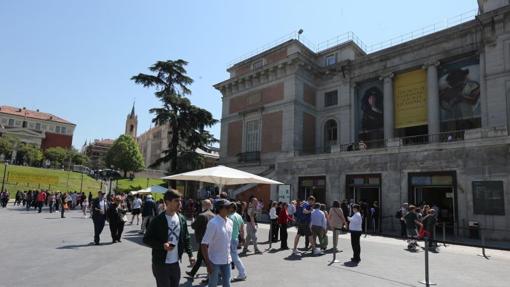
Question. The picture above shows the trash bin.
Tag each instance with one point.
(474, 229)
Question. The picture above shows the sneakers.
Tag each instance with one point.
(317, 251)
(239, 278)
(295, 252)
(258, 251)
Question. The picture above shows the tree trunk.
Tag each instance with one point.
(174, 143)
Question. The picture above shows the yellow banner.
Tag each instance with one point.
(411, 99)
(20, 177)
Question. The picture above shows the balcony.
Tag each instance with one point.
(250, 156)
(444, 137)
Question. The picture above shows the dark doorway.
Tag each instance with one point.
(312, 185)
(366, 191)
(438, 190)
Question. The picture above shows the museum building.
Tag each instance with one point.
(425, 120)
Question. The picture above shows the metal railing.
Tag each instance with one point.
(251, 156)
(351, 36)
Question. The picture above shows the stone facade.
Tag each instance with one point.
(401, 159)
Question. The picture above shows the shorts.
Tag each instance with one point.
(135, 211)
(411, 232)
(304, 229)
(317, 231)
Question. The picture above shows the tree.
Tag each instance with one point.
(57, 156)
(7, 144)
(125, 155)
(76, 157)
(187, 122)
(31, 154)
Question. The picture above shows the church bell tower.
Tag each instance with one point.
(131, 123)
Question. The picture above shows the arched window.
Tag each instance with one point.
(330, 135)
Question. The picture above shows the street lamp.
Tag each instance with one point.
(6, 164)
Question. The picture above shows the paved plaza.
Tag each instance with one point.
(45, 250)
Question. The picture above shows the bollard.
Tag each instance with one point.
(482, 238)
(444, 234)
(366, 227)
(270, 235)
(427, 282)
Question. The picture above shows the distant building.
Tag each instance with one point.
(96, 151)
(42, 129)
(154, 142)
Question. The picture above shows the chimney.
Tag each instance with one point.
(37, 110)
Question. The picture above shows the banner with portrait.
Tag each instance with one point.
(410, 93)
(370, 112)
(459, 94)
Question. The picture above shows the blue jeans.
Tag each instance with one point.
(225, 275)
(235, 258)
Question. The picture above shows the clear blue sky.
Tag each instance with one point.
(75, 58)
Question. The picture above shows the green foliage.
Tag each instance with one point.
(125, 155)
(187, 122)
(76, 157)
(57, 156)
(31, 154)
(7, 144)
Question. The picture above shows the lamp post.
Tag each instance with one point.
(6, 164)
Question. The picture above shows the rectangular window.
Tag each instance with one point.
(38, 126)
(257, 64)
(330, 59)
(57, 129)
(488, 197)
(63, 130)
(252, 136)
(11, 122)
(331, 98)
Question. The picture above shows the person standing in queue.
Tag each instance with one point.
(99, 207)
(216, 244)
(169, 238)
(355, 229)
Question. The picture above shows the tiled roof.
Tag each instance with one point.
(23, 112)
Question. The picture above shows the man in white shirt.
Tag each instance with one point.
(355, 222)
(216, 244)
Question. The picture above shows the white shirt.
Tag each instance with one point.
(174, 231)
(137, 203)
(218, 235)
(355, 222)
(102, 206)
(272, 213)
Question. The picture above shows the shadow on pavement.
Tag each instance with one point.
(394, 282)
(76, 246)
(293, 257)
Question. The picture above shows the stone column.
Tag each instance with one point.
(388, 106)
(433, 100)
(483, 92)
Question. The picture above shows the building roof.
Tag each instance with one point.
(23, 112)
(103, 141)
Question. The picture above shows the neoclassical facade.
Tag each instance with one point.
(42, 129)
(422, 121)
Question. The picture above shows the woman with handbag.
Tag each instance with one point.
(116, 215)
(337, 222)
